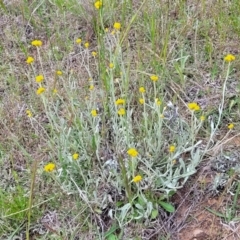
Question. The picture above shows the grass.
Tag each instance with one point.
(110, 121)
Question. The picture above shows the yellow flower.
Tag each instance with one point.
(37, 43)
(94, 54)
(154, 78)
(230, 126)
(75, 156)
(78, 41)
(117, 25)
(39, 78)
(91, 87)
(141, 100)
(202, 118)
(49, 167)
(157, 101)
(132, 152)
(229, 58)
(193, 106)
(121, 111)
(137, 178)
(98, 4)
(172, 149)
(120, 101)
(142, 90)
(86, 44)
(111, 65)
(94, 112)
(59, 73)
(29, 60)
(29, 113)
(40, 90)
(55, 91)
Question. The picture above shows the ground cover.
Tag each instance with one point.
(119, 120)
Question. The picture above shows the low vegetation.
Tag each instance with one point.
(109, 109)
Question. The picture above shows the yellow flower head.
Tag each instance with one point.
(94, 112)
(78, 41)
(94, 54)
(111, 65)
(91, 87)
(154, 78)
(49, 167)
(202, 118)
(230, 126)
(29, 113)
(132, 152)
(37, 43)
(172, 149)
(121, 111)
(75, 156)
(157, 101)
(193, 106)
(98, 4)
(120, 101)
(142, 90)
(29, 60)
(55, 91)
(229, 58)
(141, 100)
(40, 90)
(137, 178)
(59, 73)
(39, 78)
(86, 44)
(117, 25)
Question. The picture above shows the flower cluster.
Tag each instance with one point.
(132, 152)
(154, 78)
(142, 90)
(98, 4)
(94, 112)
(29, 113)
(229, 58)
(49, 167)
(59, 73)
(172, 148)
(39, 78)
(137, 178)
(117, 25)
(193, 106)
(111, 65)
(37, 43)
(29, 60)
(121, 111)
(86, 44)
(40, 90)
(157, 101)
(75, 156)
(120, 101)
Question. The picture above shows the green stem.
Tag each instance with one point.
(30, 202)
(125, 179)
